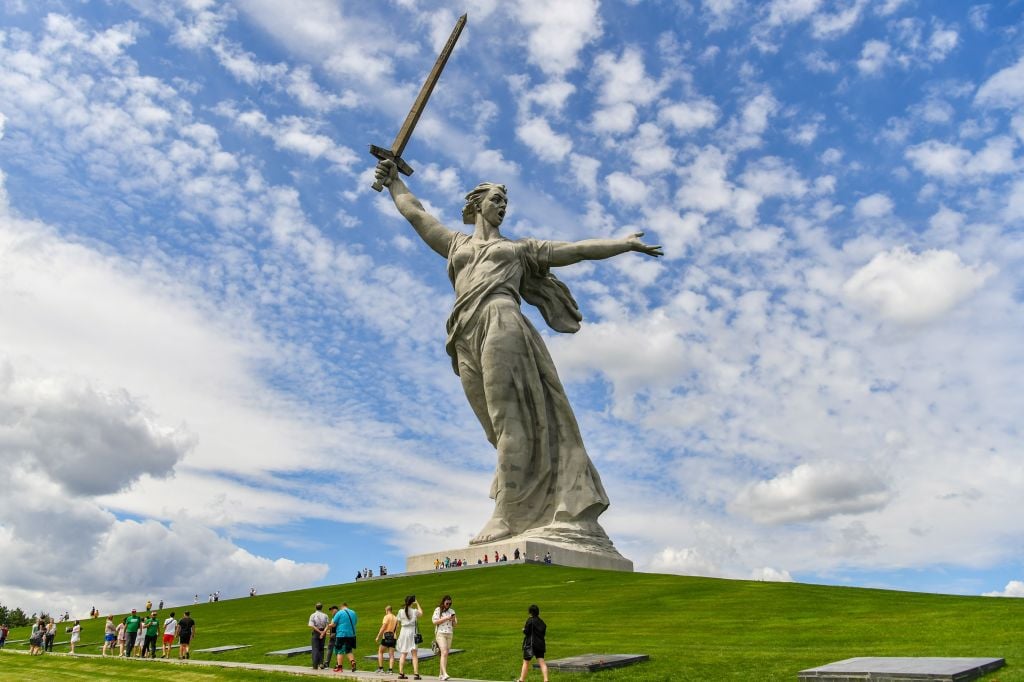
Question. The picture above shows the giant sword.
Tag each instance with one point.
(398, 146)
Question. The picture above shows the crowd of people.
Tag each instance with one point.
(368, 572)
(399, 633)
(449, 562)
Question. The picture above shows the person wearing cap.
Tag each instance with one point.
(131, 628)
(149, 644)
(345, 636)
(318, 621)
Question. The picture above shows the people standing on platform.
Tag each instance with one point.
(444, 629)
(407, 618)
(345, 636)
(170, 630)
(388, 640)
(186, 633)
(149, 604)
(318, 621)
(515, 554)
(109, 635)
(534, 645)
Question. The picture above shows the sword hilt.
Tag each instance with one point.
(388, 155)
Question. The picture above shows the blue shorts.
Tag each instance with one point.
(108, 638)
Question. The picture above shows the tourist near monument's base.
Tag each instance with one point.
(530, 549)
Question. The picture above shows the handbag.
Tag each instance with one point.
(417, 638)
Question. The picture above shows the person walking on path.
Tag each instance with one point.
(444, 628)
(407, 618)
(132, 624)
(35, 639)
(534, 645)
(186, 633)
(76, 637)
(345, 636)
(109, 635)
(49, 636)
(121, 636)
(3, 634)
(388, 640)
(318, 621)
(152, 625)
(170, 630)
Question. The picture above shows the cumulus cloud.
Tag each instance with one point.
(687, 117)
(952, 163)
(626, 189)
(771, 575)
(558, 32)
(873, 57)
(1014, 588)
(536, 133)
(873, 206)
(812, 492)
(914, 288)
(1004, 89)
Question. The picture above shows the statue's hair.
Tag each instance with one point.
(474, 198)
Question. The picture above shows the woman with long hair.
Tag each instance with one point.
(444, 629)
(534, 645)
(407, 617)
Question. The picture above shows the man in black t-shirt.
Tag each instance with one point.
(186, 631)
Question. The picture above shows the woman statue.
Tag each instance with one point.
(545, 485)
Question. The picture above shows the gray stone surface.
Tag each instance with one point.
(561, 554)
(222, 649)
(545, 484)
(589, 663)
(291, 652)
(422, 654)
(896, 669)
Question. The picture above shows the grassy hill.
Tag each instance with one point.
(696, 629)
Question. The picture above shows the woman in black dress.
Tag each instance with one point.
(533, 643)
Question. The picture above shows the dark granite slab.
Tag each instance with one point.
(881, 669)
(422, 654)
(588, 663)
(221, 649)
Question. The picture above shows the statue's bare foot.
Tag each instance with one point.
(496, 529)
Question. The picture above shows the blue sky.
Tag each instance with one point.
(221, 356)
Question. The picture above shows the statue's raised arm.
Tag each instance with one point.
(567, 253)
(437, 236)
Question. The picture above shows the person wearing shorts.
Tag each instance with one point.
(170, 630)
(444, 629)
(345, 636)
(186, 632)
(109, 634)
(534, 644)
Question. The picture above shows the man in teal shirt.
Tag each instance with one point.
(345, 636)
(132, 624)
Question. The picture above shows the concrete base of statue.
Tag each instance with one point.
(531, 549)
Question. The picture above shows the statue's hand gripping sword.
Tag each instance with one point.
(398, 146)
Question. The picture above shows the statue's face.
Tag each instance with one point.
(493, 206)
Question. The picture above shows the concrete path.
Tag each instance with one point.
(365, 676)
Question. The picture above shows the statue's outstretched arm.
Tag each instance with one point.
(567, 253)
(437, 236)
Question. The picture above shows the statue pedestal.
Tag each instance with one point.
(530, 549)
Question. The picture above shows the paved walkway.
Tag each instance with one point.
(365, 676)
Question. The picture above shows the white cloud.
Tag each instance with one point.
(624, 79)
(1014, 588)
(830, 26)
(941, 43)
(558, 32)
(1005, 89)
(585, 169)
(911, 288)
(684, 561)
(536, 133)
(790, 11)
(888, 7)
(954, 163)
(617, 118)
(873, 57)
(625, 189)
(771, 575)
(873, 206)
(813, 491)
(687, 117)
(675, 232)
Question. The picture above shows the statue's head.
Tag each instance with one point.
(488, 199)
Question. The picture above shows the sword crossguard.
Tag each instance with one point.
(388, 155)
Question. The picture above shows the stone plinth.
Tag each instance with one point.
(530, 549)
(591, 663)
(881, 669)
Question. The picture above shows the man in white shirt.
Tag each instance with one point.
(318, 621)
(170, 631)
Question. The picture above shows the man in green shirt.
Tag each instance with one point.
(132, 624)
(152, 625)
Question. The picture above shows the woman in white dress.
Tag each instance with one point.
(76, 636)
(407, 617)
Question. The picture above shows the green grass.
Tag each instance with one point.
(692, 628)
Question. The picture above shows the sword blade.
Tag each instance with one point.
(428, 87)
